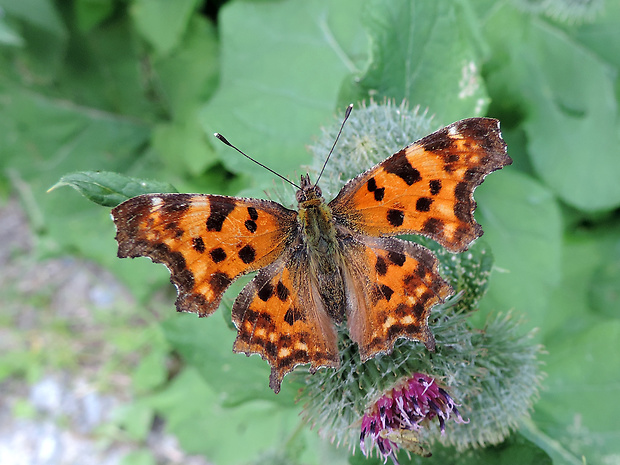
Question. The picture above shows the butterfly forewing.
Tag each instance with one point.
(206, 241)
(427, 188)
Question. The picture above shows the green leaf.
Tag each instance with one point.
(604, 293)
(44, 39)
(139, 457)
(151, 371)
(189, 76)
(162, 23)
(45, 138)
(422, 52)
(522, 224)
(282, 67)
(9, 36)
(588, 290)
(108, 189)
(578, 406)
(183, 146)
(91, 13)
(135, 419)
(568, 96)
(196, 416)
(39, 13)
(600, 35)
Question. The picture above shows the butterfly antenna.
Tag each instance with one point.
(223, 139)
(347, 113)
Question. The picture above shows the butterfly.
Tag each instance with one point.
(324, 265)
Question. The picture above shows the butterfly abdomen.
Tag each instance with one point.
(323, 253)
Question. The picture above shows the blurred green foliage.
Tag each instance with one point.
(137, 87)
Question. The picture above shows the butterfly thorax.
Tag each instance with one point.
(320, 244)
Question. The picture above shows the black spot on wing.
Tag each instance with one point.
(395, 217)
(250, 225)
(247, 254)
(387, 292)
(379, 193)
(399, 165)
(220, 208)
(198, 244)
(432, 226)
(423, 204)
(292, 315)
(435, 186)
(397, 258)
(381, 266)
(282, 291)
(265, 292)
(253, 213)
(219, 282)
(464, 205)
(218, 254)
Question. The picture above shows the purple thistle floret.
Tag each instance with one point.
(391, 422)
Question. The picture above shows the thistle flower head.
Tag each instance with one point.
(395, 419)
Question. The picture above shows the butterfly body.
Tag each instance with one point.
(327, 263)
(321, 248)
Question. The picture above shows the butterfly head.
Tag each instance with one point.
(308, 191)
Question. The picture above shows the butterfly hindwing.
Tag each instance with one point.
(400, 283)
(280, 316)
(206, 241)
(427, 188)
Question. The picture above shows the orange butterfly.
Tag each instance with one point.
(326, 263)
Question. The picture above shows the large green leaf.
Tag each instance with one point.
(521, 222)
(578, 408)
(187, 78)
(43, 139)
(568, 97)
(423, 52)
(282, 66)
(161, 22)
(255, 432)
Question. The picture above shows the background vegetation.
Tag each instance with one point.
(138, 86)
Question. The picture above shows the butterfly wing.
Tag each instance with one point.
(426, 188)
(281, 317)
(206, 241)
(391, 287)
